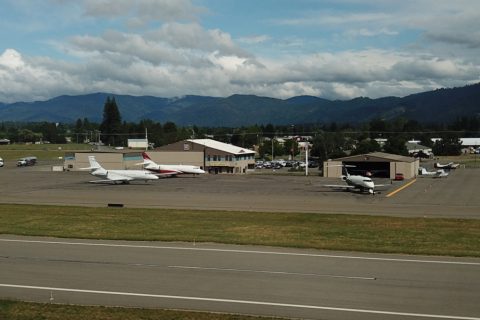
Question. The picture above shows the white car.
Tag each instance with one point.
(1, 162)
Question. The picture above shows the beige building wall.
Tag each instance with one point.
(408, 169)
(80, 160)
(177, 157)
(216, 161)
(332, 169)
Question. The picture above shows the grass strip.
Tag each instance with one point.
(16, 310)
(450, 237)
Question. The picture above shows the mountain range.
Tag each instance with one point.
(441, 105)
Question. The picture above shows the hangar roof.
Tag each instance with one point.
(229, 148)
(377, 156)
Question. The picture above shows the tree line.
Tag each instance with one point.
(329, 140)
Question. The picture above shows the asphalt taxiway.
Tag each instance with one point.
(457, 196)
(239, 279)
(250, 280)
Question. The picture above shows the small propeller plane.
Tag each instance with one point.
(355, 182)
(117, 176)
(448, 166)
(440, 173)
(167, 170)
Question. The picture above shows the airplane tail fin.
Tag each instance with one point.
(145, 156)
(147, 162)
(93, 163)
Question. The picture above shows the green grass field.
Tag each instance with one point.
(452, 237)
(15, 310)
(468, 160)
(13, 152)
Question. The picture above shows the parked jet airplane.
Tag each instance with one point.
(356, 182)
(168, 170)
(449, 165)
(117, 176)
(440, 173)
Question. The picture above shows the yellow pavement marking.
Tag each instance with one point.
(401, 188)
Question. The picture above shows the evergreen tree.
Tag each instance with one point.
(112, 122)
(448, 145)
(396, 145)
(170, 132)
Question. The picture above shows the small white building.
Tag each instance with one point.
(138, 143)
(470, 142)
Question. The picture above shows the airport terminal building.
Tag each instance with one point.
(215, 156)
(379, 164)
(211, 155)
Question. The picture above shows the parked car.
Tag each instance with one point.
(399, 176)
(277, 165)
(1, 162)
(313, 164)
(27, 161)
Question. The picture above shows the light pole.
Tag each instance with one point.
(306, 158)
(273, 156)
(293, 142)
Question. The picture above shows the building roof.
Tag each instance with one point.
(225, 147)
(377, 155)
(470, 141)
(138, 140)
(415, 146)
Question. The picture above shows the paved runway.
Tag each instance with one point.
(252, 280)
(456, 196)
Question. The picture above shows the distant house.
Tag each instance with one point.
(4, 141)
(470, 142)
(470, 145)
(415, 148)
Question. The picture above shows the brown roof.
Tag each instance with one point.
(377, 156)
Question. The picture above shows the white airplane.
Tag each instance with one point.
(361, 183)
(117, 176)
(167, 170)
(449, 165)
(434, 174)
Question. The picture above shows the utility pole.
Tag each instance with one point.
(146, 138)
(306, 158)
(272, 149)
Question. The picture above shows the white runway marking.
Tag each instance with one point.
(240, 251)
(275, 272)
(274, 304)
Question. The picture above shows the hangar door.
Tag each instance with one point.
(376, 169)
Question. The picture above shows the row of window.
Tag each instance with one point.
(229, 157)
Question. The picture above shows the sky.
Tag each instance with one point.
(334, 49)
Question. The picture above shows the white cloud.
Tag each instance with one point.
(254, 39)
(174, 54)
(364, 32)
(11, 59)
(141, 12)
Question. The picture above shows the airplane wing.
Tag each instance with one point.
(101, 181)
(339, 186)
(165, 175)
